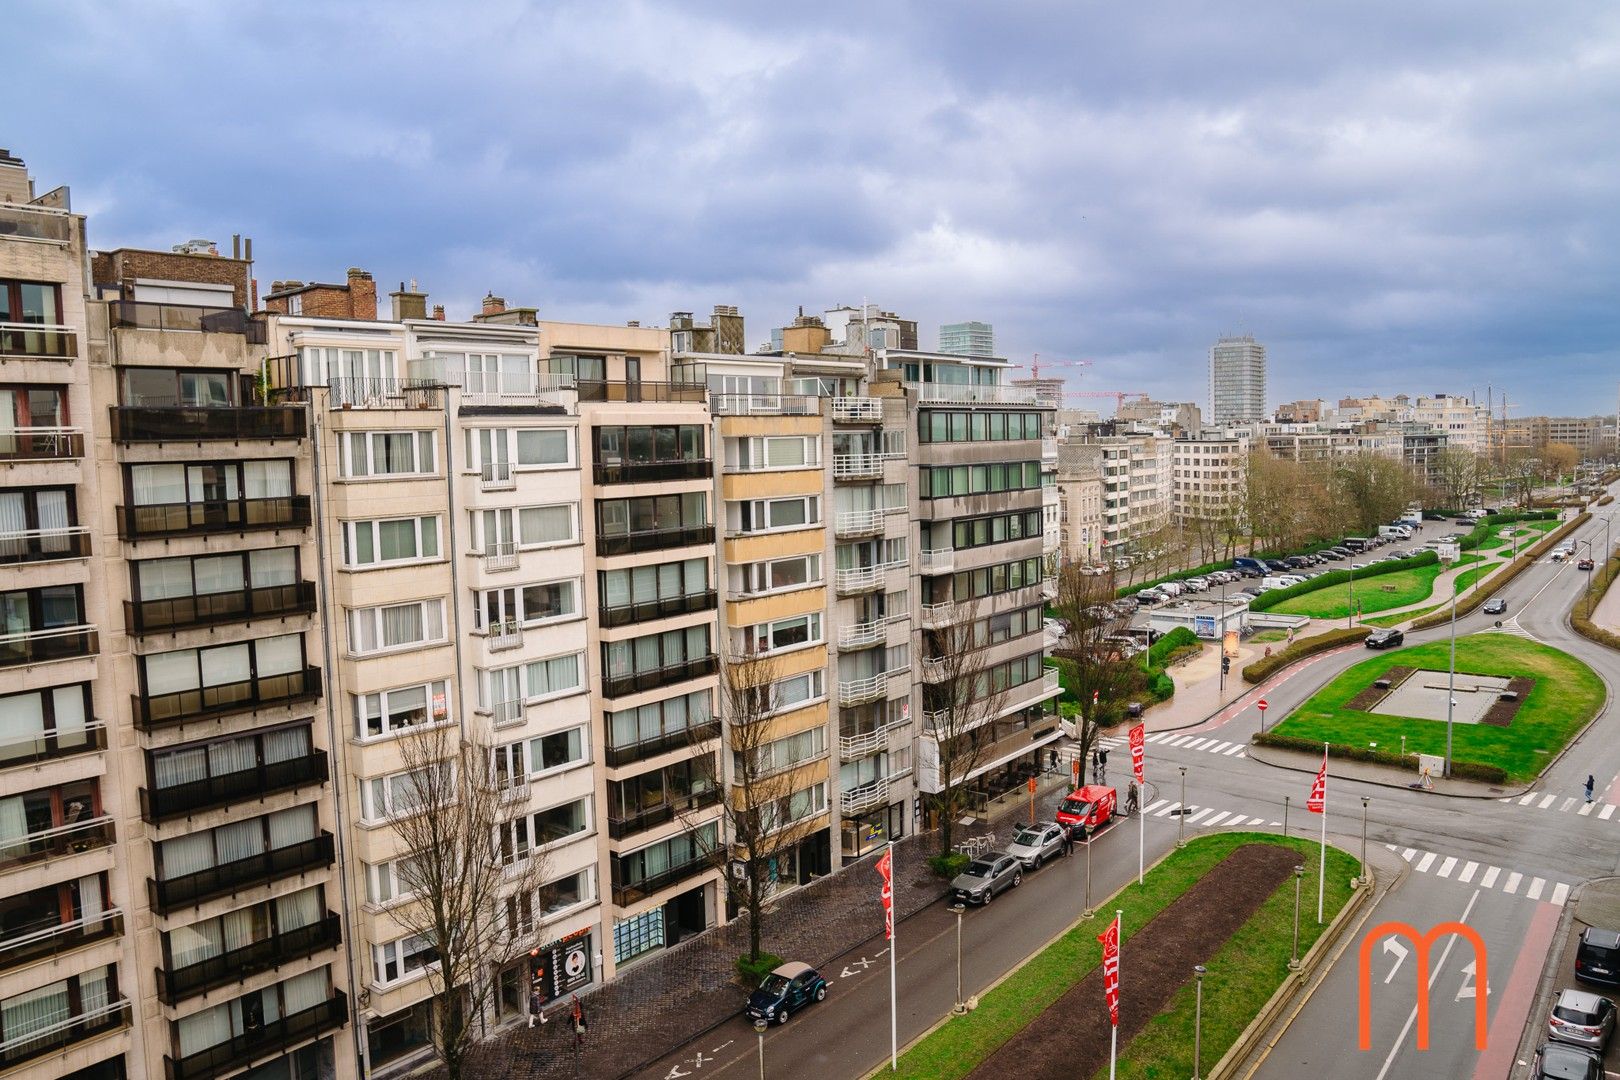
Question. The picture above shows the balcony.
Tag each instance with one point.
(60, 1034)
(210, 609)
(498, 557)
(57, 842)
(1049, 585)
(652, 817)
(616, 686)
(519, 390)
(496, 476)
(147, 315)
(150, 423)
(860, 691)
(35, 942)
(861, 579)
(20, 222)
(38, 341)
(276, 1037)
(1049, 451)
(939, 616)
(232, 877)
(41, 444)
(624, 895)
(857, 410)
(502, 636)
(853, 523)
(869, 742)
(935, 670)
(53, 743)
(212, 792)
(937, 561)
(689, 738)
(857, 466)
(866, 634)
(662, 608)
(44, 545)
(1017, 697)
(765, 405)
(384, 393)
(506, 713)
(967, 394)
(642, 392)
(182, 706)
(39, 646)
(642, 472)
(866, 797)
(238, 964)
(225, 515)
(654, 540)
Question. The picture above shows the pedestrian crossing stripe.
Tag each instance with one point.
(1514, 884)
(1163, 808)
(1544, 800)
(1183, 741)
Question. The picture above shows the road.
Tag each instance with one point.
(1501, 866)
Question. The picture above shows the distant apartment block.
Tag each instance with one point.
(968, 339)
(1237, 381)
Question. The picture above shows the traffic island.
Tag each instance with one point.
(1225, 901)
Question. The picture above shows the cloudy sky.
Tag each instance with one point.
(1392, 196)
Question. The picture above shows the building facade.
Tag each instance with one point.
(968, 339)
(1237, 381)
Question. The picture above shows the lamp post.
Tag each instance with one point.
(1350, 617)
(1365, 878)
(1198, 1020)
(1286, 801)
(1451, 678)
(1181, 815)
(759, 1029)
(1299, 875)
(1089, 912)
(960, 1007)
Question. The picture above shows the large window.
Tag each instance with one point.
(23, 407)
(211, 575)
(170, 387)
(654, 652)
(648, 445)
(46, 723)
(387, 453)
(765, 515)
(525, 527)
(951, 481)
(641, 866)
(394, 961)
(251, 1012)
(647, 584)
(391, 540)
(496, 449)
(517, 839)
(384, 797)
(785, 753)
(396, 626)
(672, 717)
(525, 605)
(390, 712)
(534, 681)
(237, 665)
(200, 762)
(199, 483)
(189, 945)
(981, 531)
(36, 303)
(558, 750)
(773, 452)
(779, 634)
(45, 1011)
(390, 881)
(1003, 577)
(942, 425)
(226, 844)
(653, 513)
(776, 575)
(29, 610)
(38, 511)
(683, 785)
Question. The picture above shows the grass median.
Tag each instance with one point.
(1378, 593)
(1245, 972)
(1566, 695)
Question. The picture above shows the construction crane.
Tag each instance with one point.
(1035, 365)
(1119, 396)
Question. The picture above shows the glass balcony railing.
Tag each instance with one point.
(662, 608)
(44, 545)
(642, 392)
(153, 315)
(212, 792)
(224, 515)
(38, 646)
(153, 423)
(271, 1038)
(692, 737)
(38, 341)
(209, 609)
(41, 444)
(653, 539)
(58, 1034)
(237, 964)
(52, 743)
(641, 472)
(57, 842)
(615, 686)
(41, 940)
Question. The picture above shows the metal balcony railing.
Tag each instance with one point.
(225, 515)
(935, 670)
(44, 545)
(940, 615)
(164, 710)
(384, 393)
(504, 635)
(869, 742)
(238, 964)
(506, 713)
(168, 896)
(765, 404)
(615, 686)
(653, 540)
(38, 646)
(937, 561)
(692, 737)
(209, 609)
(496, 476)
(516, 389)
(857, 466)
(662, 608)
(863, 635)
(166, 803)
(851, 523)
(869, 795)
(857, 410)
(653, 816)
(499, 557)
(642, 392)
(32, 942)
(274, 1037)
(151, 423)
(860, 691)
(58, 841)
(41, 444)
(65, 1032)
(38, 341)
(629, 892)
(858, 579)
(964, 394)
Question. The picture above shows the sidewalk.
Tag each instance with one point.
(1367, 772)
(1596, 903)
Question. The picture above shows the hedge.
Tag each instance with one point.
(1464, 770)
(1583, 624)
(1168, 644)
(1272, 597)
(1525, 560)
(1606, 500)
(1483, 531)
(1267, 666)
(1179, 575)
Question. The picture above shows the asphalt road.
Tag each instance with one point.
(1531, 851)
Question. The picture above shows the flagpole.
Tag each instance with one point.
(894, 1042)
(1119, 954)
(1141, 835)
(1321, 880)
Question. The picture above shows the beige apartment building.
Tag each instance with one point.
(1208, 476)
(1080, 494)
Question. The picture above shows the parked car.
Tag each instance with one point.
(1170, 588)
(1150, 597)
(1558, 554)
(1277, 566)
(1495, 606)
(1585, 564)
(1296, 562)
(1087, 809)
(1582, 1018)
(785, 990)
(1252, 590)
(1384, 639)
(1597, 957)
(1034, 844)
(995, 872)
(1336, 554)
(1559, 1061)
(1291, 579)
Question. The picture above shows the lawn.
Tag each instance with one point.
(1245, 973)
(1263, 636)
(1379, 593)
(1529, 533)
(1567, 694)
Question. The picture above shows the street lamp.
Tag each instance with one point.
(1286, 800)
(1089, 912)
(1451, 677)
(759, 1029)
(1181, 814)
(960, 1007)
(1299, 875)
(1365, 877)
(1350, 617)
(1198, 1019)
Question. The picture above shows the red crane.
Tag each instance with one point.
(1035, 365)
(1119, 396)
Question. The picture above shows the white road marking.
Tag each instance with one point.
(1607, 812)
(1560, 894)
(1155, 805)
(1408, 854)
(1178, 740)
(1511, 886)
(1467, 874)
(1490, 877)
(1548, 801)
(1256, 821)
(1218, 818)
(1569, 802)
(1425, 862)
(1194, 819)
(1198, 744)
(1587, 809)
(1243, 753)
(1446, 868)
(1534, 891)
(1434, 973)
(1156, 736)
(1167, 810)
(1528, 798)
(1236, 748)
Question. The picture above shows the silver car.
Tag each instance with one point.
(991, 873)
(1034, 844)
(1582, 1018)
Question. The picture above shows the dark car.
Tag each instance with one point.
(1495, 606)
(1556, 1061)
(984, 878)
(1278, 565)
(785, 990)
(1384, 639)
(1597, 957)
(1584, 564)
(1296, 561)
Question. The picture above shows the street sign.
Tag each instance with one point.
(1032, 785)
(1261, 705)
(1448, 553)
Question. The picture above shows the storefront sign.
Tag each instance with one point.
(562, 966)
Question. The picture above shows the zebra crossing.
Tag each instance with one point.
(1559, 803)
(1207, 816)
(1484, 876)
(1511, 626)
(1187, 742)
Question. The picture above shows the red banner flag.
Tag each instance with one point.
(1138, 750)
(1317, 803)
(1110, 944)
(885, 869)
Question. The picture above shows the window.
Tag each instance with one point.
(943, 425)
(777, 574)
(654, 652)
(567, 892)
(982, 531)
(212, 575)
(240, 664)
(198, 762)
(171, 387)
(647, 445)
(23, 407)
(583, 368)
(45, 510)
(542, 447)
(540, 525)
(203, 483)
(659, 719)
(386, 453)
(391, 540)
(795, 807)
(774, 452)
(49, 1011)
(189, 945)
(525, 605)
(953, 481)
(646, 584)
(393, 711)
(557, 751)
(45, 723)
(535, 447)
(635, 867)
(400, 793)
(1003, 577)
(798, 690)
(396, 626)
(390, 881)
(240, 840)
(765, 638)
(762, 515)
(653, 513)
(541, 679)
(515, 840)
(638, 934)
(397, 960)
(785, 753)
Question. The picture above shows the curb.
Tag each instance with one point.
(1254, 753)
(1534, 1027)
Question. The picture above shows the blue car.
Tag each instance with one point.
(785, 991)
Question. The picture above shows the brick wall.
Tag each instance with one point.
(123, 266)
(356, 300)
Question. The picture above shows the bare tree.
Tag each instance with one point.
(961, 700)
(476, 875)
(1459, 473)
(1373, 488)
(1092, 653)
(1520, 474)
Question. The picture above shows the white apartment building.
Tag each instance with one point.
(1208, 476)
(1138, 493)
(1237, 381)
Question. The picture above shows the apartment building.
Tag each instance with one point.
(968, 339)
(1080, 494)
(1208, 476)
(1237, 380)
(1137, 469)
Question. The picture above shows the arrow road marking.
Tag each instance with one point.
(1400, 951)
(1467, 989)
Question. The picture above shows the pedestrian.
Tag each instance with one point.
(1102, 764)
(1591, 783)
(1068, 841)
(1096, 766)
(534, 1008)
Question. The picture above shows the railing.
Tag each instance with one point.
(614, 686)
(503, 635)
(173, 613)
(278, 1035)
(940, 615)
(496, 476)
(636, 472)
(653, 539)
(239, 964)
(620, 827)
(54, 843)
(384, 393)
(869, 742)
(44, 545)
(857, 410)
(967, 394)
(935, 669)
(858, 522)
(1049, 450)
(860, 691)
(1049, 586)
(65, 1032)
(18, 222)
(56, 938)
(515, 792)
(501, 556)
(662, 608)
(53, 743)
(188, 889)
(857, 466)
(152, 315)
(625, 894)
(662, 744)
(224, 515)
(514, 389)
(44, 341)
(163, 710)
(937, 560)
(165, 803)
(764, 404)
(865, 797)
(865, 634)
(161, 423)
(1016, 697)
(41, 444)
(632, 392)
(854, 579)
(38, 646)
(506, 713)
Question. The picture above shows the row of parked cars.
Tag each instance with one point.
(1582, 1023)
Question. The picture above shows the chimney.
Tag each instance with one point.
(408, 303)
(633, 323)
(362, 294)
(493, 305)
(438, 312)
